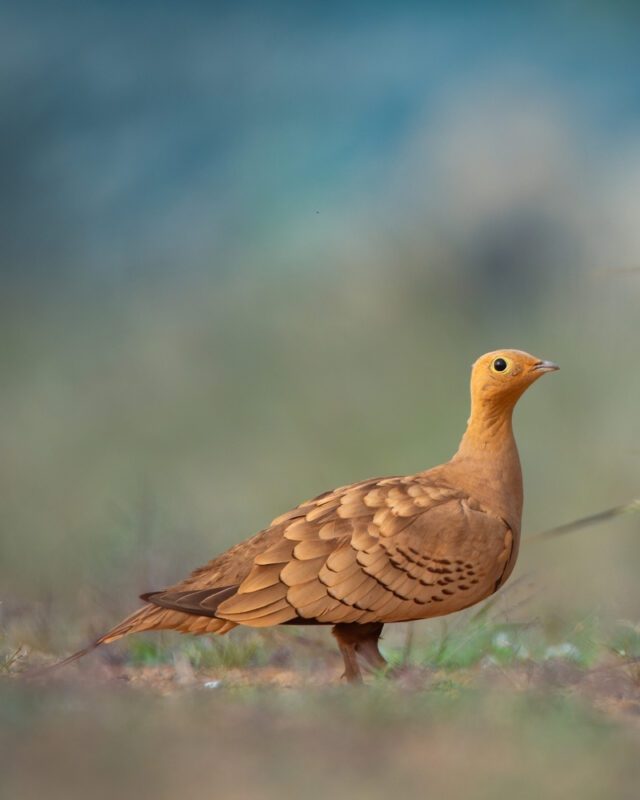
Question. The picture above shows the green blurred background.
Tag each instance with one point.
(249, 252)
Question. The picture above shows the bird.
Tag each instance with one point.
(383, 550)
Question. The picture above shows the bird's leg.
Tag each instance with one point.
(359, 640)
(374, 659)
(347, 645)
(351, 668)
(367, 646)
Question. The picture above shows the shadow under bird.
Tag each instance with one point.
(382, 550)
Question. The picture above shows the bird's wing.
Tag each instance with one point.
(384, 550)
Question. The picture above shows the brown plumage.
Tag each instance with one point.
(382, 550)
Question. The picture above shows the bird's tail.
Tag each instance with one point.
(147, 618)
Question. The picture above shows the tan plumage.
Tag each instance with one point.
(382, 550)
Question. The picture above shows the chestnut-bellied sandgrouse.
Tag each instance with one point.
(382, 550)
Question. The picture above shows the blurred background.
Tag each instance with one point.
(249, 253)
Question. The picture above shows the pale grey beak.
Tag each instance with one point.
(545, 366)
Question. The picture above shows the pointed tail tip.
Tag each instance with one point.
(41, 672)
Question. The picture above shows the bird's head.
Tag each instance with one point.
(500, 377)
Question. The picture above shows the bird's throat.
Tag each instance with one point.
(489, 429)
(487, 461)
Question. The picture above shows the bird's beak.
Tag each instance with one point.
(545, 366)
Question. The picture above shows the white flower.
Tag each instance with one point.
(564, 650)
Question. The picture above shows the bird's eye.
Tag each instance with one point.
(499, 365)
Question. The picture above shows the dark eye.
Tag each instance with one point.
(499, 365)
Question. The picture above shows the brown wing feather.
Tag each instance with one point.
(384, 550)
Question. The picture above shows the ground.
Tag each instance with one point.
(481, 708)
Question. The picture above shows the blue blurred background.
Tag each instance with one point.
(250, 250)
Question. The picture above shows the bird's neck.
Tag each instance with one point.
(489, 429)
(487, 462)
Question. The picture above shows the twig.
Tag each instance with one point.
(585, 522)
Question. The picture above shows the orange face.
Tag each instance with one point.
(505, 374)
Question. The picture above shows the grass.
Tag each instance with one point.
(477, 638)
(505, 643)
(9, 659)
(487, 703)
(245, 650)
